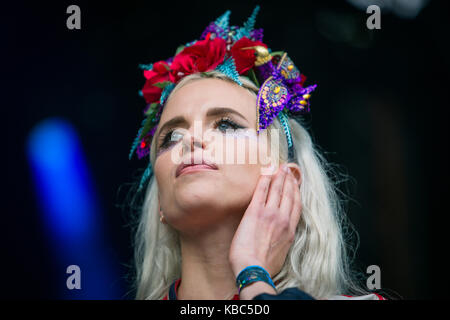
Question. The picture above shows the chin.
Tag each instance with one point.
(198, 182)
(198, 196)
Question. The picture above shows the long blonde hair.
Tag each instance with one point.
(318, 261)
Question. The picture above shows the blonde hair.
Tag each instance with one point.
(318, 261)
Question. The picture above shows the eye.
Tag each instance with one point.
(176, 136)
(170, 138)
(224, 124)
(173, 136)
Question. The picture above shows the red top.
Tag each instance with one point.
(177, 283)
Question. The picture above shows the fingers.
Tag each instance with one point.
(261, 191)
(287, 200)
(296, 210)
(276, 189)
(290, 207)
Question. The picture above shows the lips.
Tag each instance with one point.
(200, 164)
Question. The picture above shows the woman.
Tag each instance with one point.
(214, 229)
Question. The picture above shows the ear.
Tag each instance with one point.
(295, 170)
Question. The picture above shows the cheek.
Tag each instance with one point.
(235, 148)
(242, 178)
(162, 169)
(241, 161)
(268, 151)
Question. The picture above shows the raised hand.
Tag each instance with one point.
(267, 229)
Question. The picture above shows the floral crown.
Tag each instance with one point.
(234, 51)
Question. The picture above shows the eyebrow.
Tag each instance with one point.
(180, 120)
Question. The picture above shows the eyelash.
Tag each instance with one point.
(165, 139)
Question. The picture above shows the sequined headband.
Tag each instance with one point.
(234, 51)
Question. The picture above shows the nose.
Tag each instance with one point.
(190, 142)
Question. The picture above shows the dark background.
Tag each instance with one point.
(379, 113)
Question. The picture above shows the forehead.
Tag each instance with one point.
(197, 96)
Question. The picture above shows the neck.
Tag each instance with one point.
(206, 273)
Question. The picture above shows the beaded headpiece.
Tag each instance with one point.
(234, 51)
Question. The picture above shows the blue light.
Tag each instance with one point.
(71, 213)
(61, 179)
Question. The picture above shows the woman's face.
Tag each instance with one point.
(199, 196)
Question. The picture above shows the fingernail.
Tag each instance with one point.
(268, 171)
(285, 168)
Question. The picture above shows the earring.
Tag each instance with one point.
(161, 218)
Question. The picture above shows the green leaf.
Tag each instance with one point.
(146, 128)
(162, 85)
(166, 66)
(179, 49)
(277, 53)
(251, 74)
(152, 109)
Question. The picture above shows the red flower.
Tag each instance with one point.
(203, 56)
(159, 73)
(245, 58)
